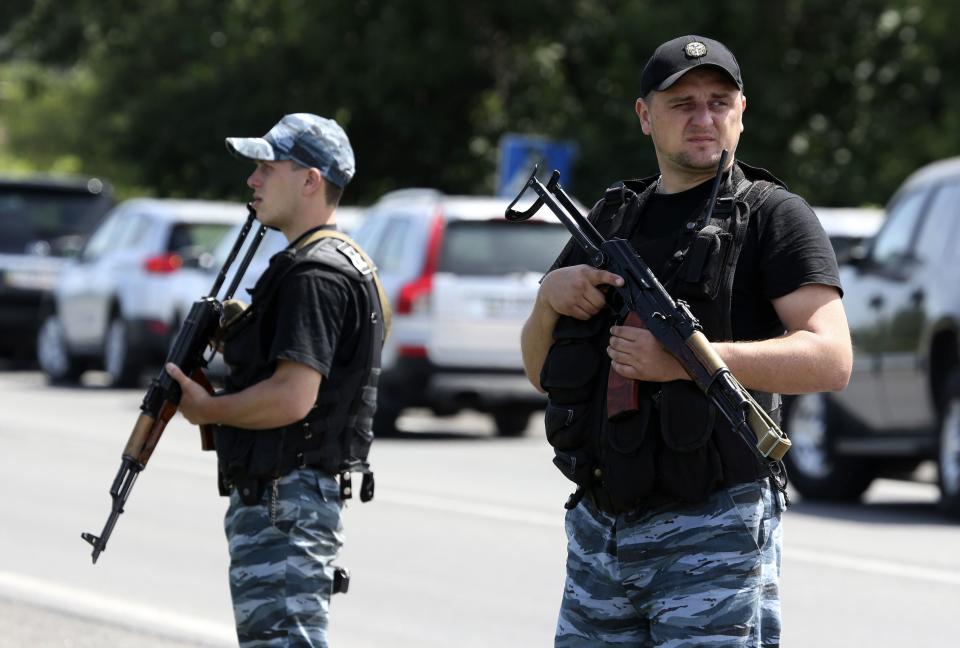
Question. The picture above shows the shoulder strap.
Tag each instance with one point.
(370, 267)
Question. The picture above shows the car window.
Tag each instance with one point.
(498, 247)
(892, 245)
(102, 238)
(56, 220)
(131, 227)
(368, 235)
(940, 223)
(391, 253)
(196, 237)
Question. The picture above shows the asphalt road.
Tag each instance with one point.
(463, 544)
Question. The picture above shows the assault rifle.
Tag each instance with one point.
(199, 330)
(647, 304)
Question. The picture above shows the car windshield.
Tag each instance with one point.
(196, 237)
(498, 247)
(45, 222)
(273, 241)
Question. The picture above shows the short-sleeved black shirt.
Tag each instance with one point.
(313, 319)
(785, 248)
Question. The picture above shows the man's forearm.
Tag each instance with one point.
(536, 338)
(797, 363)
(284, 398)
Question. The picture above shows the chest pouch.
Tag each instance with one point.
(700, 274)
(688, 463)
(570, 376)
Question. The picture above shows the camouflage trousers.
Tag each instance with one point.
(693, 576)
(281, 551)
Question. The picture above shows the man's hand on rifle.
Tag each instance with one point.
(577, 291)
(636, 354)
(196, 404)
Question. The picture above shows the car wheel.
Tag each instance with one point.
(53, 356)
(119, 359)
(511, 421)
(814, 470)
(948, 458)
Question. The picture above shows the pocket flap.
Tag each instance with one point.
(566, 425)
(687, 416)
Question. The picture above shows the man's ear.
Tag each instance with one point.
(643, 113)
(314, 181)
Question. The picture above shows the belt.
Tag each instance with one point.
(604, 501)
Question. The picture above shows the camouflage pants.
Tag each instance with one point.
(701, 575)
(280, 554)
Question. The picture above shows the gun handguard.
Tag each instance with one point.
(647, 303)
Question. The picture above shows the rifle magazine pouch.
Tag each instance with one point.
(629, 472)
(567, 425)
(703, 265)
(689, 466)
(574, 464)
(573, 361)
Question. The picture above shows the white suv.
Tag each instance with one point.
(461, 280)
(114, 307)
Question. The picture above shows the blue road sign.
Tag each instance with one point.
(518, 154)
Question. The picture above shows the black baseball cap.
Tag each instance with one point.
(676, 57)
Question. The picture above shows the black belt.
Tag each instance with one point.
(605, 502)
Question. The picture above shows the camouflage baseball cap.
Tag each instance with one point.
(306, 139)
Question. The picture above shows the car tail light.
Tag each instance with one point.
(415, 296)
(163, 263)
(412, 351)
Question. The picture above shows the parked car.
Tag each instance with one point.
(113, 307)
(43, 221)
(849, 228)
(461, 281)
(902, 405)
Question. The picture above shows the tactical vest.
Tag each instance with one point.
(336, 434)
(626, 463)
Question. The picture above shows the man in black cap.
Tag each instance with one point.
(674, 533)
(297, 410)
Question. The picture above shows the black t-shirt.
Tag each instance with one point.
(314, 319)
(318, 316)
(785, 248)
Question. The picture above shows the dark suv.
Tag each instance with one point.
(42, 222)
(902, 405)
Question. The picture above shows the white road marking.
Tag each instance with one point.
(873, 566)
(89, 604)
(841, 561)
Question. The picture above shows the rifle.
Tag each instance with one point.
(647, 304)
(199, 330)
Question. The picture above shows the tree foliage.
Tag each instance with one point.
(844, 99)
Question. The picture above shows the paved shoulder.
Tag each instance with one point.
(38, 627)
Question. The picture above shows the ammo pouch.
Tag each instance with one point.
(570, 376)
(688, 463)
(703, 267)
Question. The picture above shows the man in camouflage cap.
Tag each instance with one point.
(297, 399)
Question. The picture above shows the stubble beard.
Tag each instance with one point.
(687, 160)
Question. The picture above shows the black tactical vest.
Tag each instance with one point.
(677, 447)
(336, 435)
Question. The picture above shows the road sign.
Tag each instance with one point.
(518, 154)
